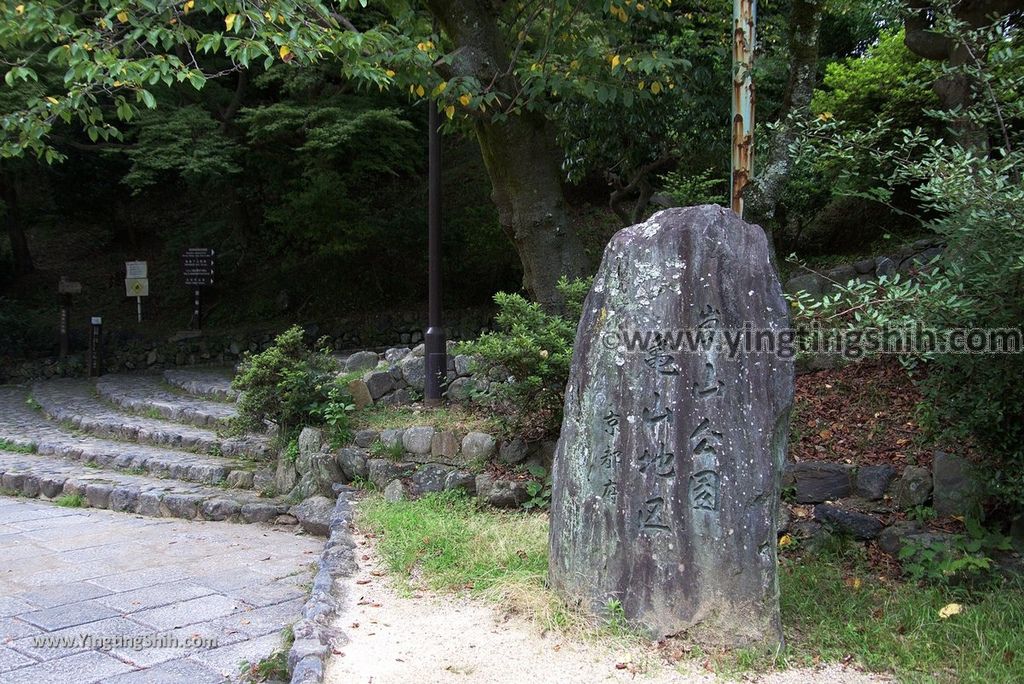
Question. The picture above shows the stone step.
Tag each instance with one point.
(148, 396)
(207, 383)
(47, 477)
(75, 403)
(24, 426)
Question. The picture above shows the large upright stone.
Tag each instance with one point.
(666, 475)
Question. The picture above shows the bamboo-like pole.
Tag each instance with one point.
(744, 19)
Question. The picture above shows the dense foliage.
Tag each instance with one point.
(291, 138)
(292, 386)
(530, 354)
(214, 124)
(973, 198)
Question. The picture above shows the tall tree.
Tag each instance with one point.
(762, 196)
(520, 152)
(500, 65)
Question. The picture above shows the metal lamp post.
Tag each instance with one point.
(436, 353)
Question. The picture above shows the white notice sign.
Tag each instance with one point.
(135, 269)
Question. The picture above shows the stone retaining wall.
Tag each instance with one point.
(410, 462)
(866, 502)
(397, 376)
(124, 351)
(903, 261)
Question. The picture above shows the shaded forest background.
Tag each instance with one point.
(312, 188)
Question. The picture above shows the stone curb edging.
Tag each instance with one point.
(315, 636)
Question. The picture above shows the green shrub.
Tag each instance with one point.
(530, 353)
(966, 559)
(288, 384)
(334, 412)
(23, 328)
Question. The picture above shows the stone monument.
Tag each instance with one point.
(666, 476)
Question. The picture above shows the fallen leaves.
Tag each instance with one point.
(949, 610)
(862, 414)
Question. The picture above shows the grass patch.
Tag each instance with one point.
(835, 606)
(456, 545)
(453, 418)
(17, 447)
(273, 668)
(396, 452)
(345, 378)
(448, 544)
(75, 500)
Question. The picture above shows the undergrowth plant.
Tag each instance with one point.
(291, 451)
(963, 560)
(293, 386)
(75, 500)
(970, 195)
(539, 489)
(530, 353)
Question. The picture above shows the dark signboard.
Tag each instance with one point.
(197, 266)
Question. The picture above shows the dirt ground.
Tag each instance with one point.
(442, 639)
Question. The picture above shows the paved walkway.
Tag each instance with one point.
(74, 575)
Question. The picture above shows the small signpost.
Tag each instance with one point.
(136, 282)
(197, 267)
(96, 347)
(66, 288)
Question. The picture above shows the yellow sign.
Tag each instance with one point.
(136, 287)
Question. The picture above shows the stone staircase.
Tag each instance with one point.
(150, 445)
(151, 396)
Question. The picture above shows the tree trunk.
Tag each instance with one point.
(15, 230)
(762, 196)
(520, 153)
(954, 89)
(522, 162)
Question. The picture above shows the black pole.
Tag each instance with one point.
(436, 354)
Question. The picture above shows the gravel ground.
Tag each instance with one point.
(429, 638)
